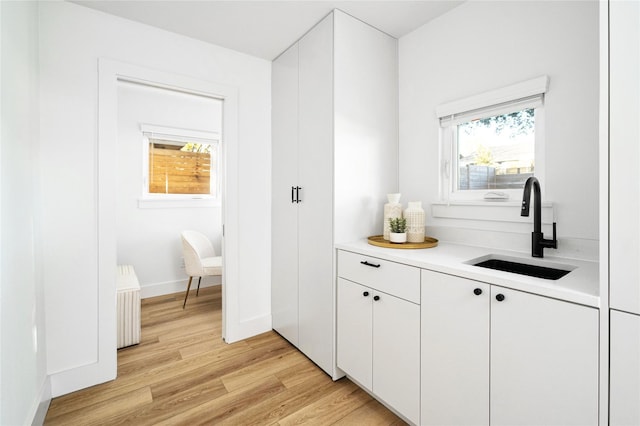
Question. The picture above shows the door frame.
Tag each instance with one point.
(110, 72)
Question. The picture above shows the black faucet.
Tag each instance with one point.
(538, 242)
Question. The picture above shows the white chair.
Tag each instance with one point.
(200, 258)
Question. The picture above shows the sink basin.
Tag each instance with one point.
(532, 268)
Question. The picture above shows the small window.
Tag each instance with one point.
(492, 143)
(180, 164)
(495, 152)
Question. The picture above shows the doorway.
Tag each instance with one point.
(111, 74)
(168, 172)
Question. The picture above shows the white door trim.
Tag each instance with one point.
(109, 73)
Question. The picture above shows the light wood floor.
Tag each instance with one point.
(183, 373)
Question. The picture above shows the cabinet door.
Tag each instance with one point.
(544, 361)
(355, 331)
(396, 354)
(455, 350)
(625, 369)
(624, 138)
(284, 217)
(315, 227)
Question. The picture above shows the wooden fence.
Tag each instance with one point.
(172, 171)
(485, 177)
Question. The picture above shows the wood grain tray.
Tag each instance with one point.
(377, 240)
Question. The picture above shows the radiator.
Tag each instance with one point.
(128, 306)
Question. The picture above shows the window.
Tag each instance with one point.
(496, 152)
(179, 167)
(179, 164)
(489, 149)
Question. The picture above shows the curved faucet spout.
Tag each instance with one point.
(538, 242)
(526, 200)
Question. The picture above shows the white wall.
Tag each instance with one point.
(485, 45)
(72, 38)
(149, 238)
(22, 346)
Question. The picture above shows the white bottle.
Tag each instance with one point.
(415, 222)
(392, 209)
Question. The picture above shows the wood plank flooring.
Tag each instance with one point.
(182, 373)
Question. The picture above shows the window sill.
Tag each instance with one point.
(158, 203)
(496, 211)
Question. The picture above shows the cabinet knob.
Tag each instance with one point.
(376, 298)
(365, 294)
(500, 297)
(477, 291)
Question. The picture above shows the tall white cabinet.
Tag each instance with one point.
(624, 140)
(334, 159)
(624, 214)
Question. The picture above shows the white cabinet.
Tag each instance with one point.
(396, 354)
(302, 255)
(455, 350)
(334, 152)
(505, 357)
(379, 332)
(284, 251)
(355, 331)
(544, 361)
(624, 376)
(315, 154)
(624, 212)
(624, 138)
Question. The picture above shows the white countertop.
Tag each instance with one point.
(579, 286)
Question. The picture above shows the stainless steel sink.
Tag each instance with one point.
(532, 268)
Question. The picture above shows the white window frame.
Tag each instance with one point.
(520, 96)
(155, 200)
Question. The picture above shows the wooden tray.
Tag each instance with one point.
(377, 240)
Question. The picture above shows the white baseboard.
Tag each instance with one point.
(41, 405)
(170, 287)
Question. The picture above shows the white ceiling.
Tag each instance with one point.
(266, 28)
